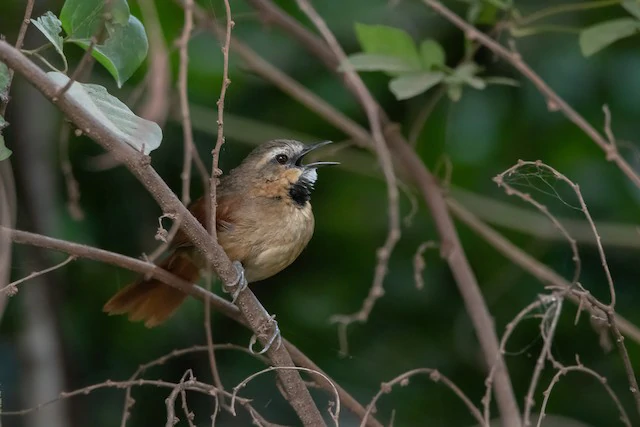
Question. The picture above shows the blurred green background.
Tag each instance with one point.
(54, 336)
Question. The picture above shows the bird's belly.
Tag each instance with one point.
(267, 247)
(271, 261)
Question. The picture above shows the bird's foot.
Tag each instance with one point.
(240, 283)
(275, 337)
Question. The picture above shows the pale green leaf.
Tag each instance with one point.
(454, 92)
(467, 70)
(51, 27)
(141, 134)
(477, 83)
(431, 54)
(390, 41)
(466, 74)
(410, 85)
(599, 36)
(83, 19)
(4, 82)
(123, 51)
(5, 153)
(373, 62)
(633, 7)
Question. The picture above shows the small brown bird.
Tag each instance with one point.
(263, 220)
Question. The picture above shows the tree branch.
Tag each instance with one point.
(534, 267)
(452, 249)
(140, 166)
(146, 268)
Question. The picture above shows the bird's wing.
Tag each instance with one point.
(224, 217)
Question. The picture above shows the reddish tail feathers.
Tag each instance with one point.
(151, 300)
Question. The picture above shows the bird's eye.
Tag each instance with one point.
(282, 158)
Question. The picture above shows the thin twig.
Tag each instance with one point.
(335, 414)
(215, 374)
(607, 309)
(151, 270)
(602, 380)
(12, 287)
(193, 385)
(384, 158)
(187, 134)
(511, 191)
(508, 331)
(215, 171)
(583, 207)
(547, 334)
(170, 401)
(436, 377)
(419, 263)
(128, 401)
(28, 10)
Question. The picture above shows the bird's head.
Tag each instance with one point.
(276, 169)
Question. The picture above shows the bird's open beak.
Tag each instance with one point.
(314, 164)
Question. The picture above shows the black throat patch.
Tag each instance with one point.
(300, 192)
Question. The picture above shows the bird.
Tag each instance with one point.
(264, 221)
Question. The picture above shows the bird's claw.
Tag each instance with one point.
(275, 336)
(240, 283)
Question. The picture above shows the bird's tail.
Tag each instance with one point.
(151, 300)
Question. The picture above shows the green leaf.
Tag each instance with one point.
(599, 36)
(124, 42)
(4, 151)
(454, 92)
(432, 54)
(373, 62)
(466, 74)
(51, 27)
(390, 41)
(410, 85)
(4, 82)
(633, 7)
(123, 51)
(83, 19)
(141, 134)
